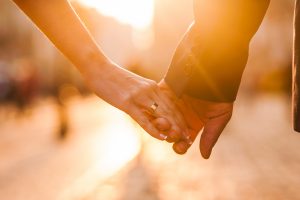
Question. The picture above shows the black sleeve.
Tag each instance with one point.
(210, 60)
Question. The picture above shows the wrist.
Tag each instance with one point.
(92, 62)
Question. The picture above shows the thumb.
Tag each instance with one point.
(211, 133)
(161, 124)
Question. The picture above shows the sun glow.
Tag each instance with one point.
(137, 13)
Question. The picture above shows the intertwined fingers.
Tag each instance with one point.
(147, 124)
(194, 124)
(212, 117)
(157, 114)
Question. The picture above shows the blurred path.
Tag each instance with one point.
(257, 157)
(35, 165)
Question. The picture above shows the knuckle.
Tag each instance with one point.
(135, 95)
(140, 94)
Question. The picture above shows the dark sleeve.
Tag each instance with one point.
(210, 60)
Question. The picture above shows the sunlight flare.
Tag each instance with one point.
(136, 13)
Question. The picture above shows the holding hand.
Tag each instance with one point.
(212, 117)
(140, 98)
(137, 96)
(159, 112)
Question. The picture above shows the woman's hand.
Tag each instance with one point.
(135, 95)
(122, 89)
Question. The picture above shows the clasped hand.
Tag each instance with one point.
(160, 112)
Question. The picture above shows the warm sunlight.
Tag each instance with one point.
(116, 142)
(137, 13)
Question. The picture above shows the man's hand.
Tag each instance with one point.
(212, 117)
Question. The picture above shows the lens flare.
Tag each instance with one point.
(136, 13)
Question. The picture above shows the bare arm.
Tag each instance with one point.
(122, 89)
(57, 19)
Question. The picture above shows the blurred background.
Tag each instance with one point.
(59, 141)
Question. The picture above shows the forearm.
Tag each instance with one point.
(233, 20)
(216, 48)
(120, 88)
(224, 44)
(58, 21)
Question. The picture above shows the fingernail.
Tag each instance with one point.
(163, 137)
(187, 137)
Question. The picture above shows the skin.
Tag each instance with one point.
(122, 89)
(179, 119)
(211, 117)
(240, 21)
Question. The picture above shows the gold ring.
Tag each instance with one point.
(153, 107)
